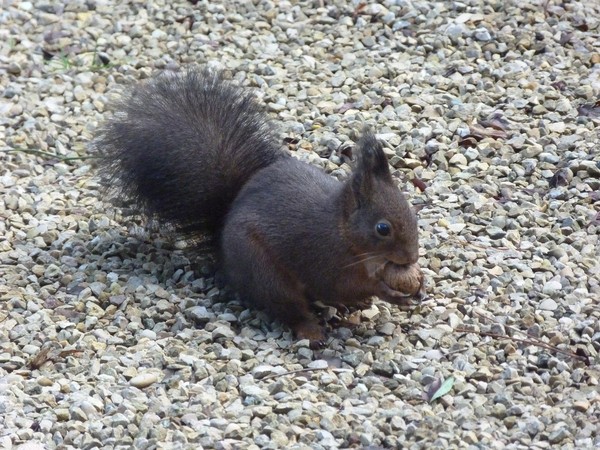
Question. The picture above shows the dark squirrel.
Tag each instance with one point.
(196, 151)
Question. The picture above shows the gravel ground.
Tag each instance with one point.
(489, 111)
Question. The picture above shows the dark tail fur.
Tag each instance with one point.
(181, 146)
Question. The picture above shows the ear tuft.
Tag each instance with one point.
(372, 165)
(371, 158)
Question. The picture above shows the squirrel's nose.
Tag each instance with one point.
(403, 258)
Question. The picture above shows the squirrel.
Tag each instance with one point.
(197, 151)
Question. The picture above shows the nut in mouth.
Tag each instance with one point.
(402, 280)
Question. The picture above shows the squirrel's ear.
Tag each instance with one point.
(371, 158)
(371, 164)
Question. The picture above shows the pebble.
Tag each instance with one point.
(144, 380)
(482, 34)
(558, 435)
(552, 287)
(548, 304)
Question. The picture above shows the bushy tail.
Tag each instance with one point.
(182, 145)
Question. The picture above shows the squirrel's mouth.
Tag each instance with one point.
(401, 259)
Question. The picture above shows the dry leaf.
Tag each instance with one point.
(560, 178)
(479, 131)
(590, 110)
(419, 184)
(39, 359)
(496, 122)
(438, 389)
(468, 142)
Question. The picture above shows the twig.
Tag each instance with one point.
(458, 350)
(49, 155)
(532, 338)
(538, 343)
(308, 369)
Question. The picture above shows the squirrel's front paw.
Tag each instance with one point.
(312, 331)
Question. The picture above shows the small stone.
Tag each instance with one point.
(44, 381)
(13, 68)
(515, 410)
(592, 167)
(62, 414)
(558, 435)
(383, 368)
(31, 445)
(458, 160)
(558, 127)
(318, 364)
(499, 411)
(199, 313)
(534, 426)
(144, 380)
(78, 414)
(552, 287)
(368, 41)
(254, 391)
(483, 374)
(223, 332)
(495, 232)
(548, 305)
(370, 313)
(262, 371)
(482, 34)
(455, 31)
(338, 79)
(581, 405)
(387, 328)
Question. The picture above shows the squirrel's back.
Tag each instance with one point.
(182, 145)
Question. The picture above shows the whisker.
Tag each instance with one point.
(360, 255)
(368, 258)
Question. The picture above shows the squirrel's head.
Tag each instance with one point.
(379, 221)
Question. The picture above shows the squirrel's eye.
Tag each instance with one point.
(383, 228)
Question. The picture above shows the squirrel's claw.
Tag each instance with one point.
(392, 296)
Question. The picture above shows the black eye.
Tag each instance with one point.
(383, 228)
